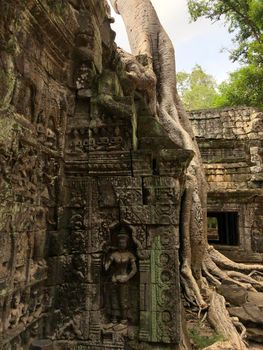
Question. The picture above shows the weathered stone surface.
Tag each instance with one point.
(83, 186)
(234, 294)
(248, 310)
(91, 186)
(248, 313)
(251, 315)
(256, 298)
(43, 344)
(230, 141)
(255, 334)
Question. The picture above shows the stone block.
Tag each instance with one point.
(43, 344)
(234, 294)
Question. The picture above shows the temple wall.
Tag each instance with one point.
(230, 142)
(36, 97)
(120, 180)
(91, 187)
(83, 163)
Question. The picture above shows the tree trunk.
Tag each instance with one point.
(148, 39)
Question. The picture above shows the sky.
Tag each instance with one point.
(198, 42)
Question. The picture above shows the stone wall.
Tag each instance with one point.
(90, 188)
(36, 97)
(231, 145)
(116, 187)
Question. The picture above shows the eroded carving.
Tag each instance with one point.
(121, 267)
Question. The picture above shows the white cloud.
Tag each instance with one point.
(176, 20)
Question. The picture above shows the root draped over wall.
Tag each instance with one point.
(202, 267)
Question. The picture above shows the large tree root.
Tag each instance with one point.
(217, 268)
(222, 323)
(153, 72)
(223, 261)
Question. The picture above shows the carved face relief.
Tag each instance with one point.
(76, 222)
(123, 242)
(86, 39)
(106, 87)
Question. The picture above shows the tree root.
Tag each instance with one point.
(192, 290)
(217, 268)
(257, 285)
(257, 273)
(224, 262)
(156, 78)
(239, 326)
(222, 323)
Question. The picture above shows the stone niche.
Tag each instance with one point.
(124, 279)
(90, 190)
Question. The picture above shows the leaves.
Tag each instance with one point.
(197, 89)
(243, 88)
(245, 20)
(201, 340)
(243, 17)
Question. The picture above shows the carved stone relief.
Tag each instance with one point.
(120, 266)
(165, 302)
(82, 205)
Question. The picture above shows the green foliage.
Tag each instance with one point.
(243, 88)
(197, 89)
(202, 341)
(243, 17)
(245, 20)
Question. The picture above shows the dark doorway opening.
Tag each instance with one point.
(222, 228)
